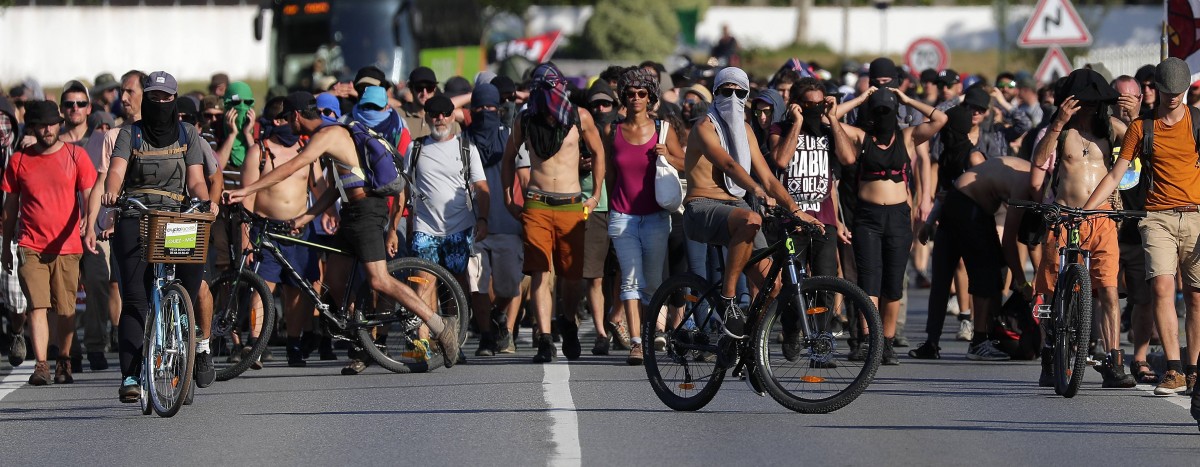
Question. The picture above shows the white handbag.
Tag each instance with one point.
(668, 191)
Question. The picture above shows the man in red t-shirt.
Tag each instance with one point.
(46, 181)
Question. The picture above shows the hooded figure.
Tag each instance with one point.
(728, 114)
(485, 130)
(778, 109)
(955, 158)
(550, 114)
(1090, 89)
(880, 119)
(372, 110)
(603, 119)
(883, 67)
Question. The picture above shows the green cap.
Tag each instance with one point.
(238, 91)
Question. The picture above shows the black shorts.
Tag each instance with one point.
(361, 232)
(882, 239)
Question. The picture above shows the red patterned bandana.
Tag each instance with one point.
(548, 94)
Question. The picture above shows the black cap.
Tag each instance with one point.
(457, 86)
(42, 113)
(976, 97)
(438, 104)
(948, 77)
(504, 84)
(371, 76)
(1145, 73)
(929, 76)
(187, 105)
(882, 67)
(298, 101)
(883, 102)
(422, 74)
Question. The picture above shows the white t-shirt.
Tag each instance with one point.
(441, 201)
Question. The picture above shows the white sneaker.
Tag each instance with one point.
(660, 343)
(966, 330)
(952, 307)
(987, 351)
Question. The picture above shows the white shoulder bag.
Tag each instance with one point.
(668, 191)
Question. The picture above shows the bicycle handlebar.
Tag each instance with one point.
(192, 205)
(789, 219)
(1057, 210)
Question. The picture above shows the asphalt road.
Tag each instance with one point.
(595, 411)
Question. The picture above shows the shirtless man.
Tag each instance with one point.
(555, 210)
(721, 154)
(363, 215)
(1082, 138)
(283, 202)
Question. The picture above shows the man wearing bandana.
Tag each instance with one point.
(722, 152)
(555, 209)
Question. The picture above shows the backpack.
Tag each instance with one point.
(1015, 329)
(135, 144)
(380, 161)
(135, 133)
(1147, 149)
(464, 151)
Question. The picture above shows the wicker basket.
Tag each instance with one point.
(187, 242)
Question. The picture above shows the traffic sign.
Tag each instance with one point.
(925, 53)
(1054, 22)
(1053, 67)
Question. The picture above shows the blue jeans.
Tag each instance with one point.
(641, 246)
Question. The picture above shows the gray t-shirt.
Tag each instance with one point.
(440, 194)
(166, 173)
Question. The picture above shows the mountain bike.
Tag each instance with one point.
(169, 346)
(1068, 318)
(363, 316)
(793, 349)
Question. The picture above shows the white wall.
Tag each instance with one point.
(57, 44)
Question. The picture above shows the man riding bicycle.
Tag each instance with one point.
(722, 153)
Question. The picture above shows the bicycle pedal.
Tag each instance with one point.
(1043, 312)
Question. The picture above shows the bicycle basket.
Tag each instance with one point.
(178, 238)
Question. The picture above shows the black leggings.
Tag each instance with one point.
(882, 239)
(136, 280)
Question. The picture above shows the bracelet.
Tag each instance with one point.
(931, 113)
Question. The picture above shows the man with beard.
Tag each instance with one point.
(44, 182)
(555, 208)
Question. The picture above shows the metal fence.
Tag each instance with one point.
(1120, 60)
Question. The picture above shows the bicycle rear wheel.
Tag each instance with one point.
(233, 297)
(1072, 328)
(684, 372)
(815, 375)
(381, 319)
(172, 351)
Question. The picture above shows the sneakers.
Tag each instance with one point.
(889, 353)
(926, 351)
(62, 371)
(660, 344)
(505, 344)
(355, 367)
(546, 350)
(131, 390)
(487, 345)
(1046, 379)
(204, 371)
(1113, 372)
(295, 358)
(602, 345)
(791, 346)
(900, 341)
(859, 353)
(1172, 383)
(1191, 383)
(255, 365)
(41, 374)
(726, 351)
(569, 329)
(986, 351)
(966, 330)
(448, 341)
(96, 361)
(16, 351)
(734, 320)
(635, 354)
(619, 334)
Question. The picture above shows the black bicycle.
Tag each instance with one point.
(1068, 319)
(363, 316)
(793, 351)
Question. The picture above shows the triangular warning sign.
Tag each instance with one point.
(1053, 67)
(1054, 22)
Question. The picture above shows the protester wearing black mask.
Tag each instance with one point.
(603, 105)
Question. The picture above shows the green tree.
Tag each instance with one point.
(632, 29)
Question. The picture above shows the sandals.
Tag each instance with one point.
(1143, 373)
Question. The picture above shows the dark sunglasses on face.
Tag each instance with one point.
(761, 112)
(74, 104)
(436, 115)
(425, 87)
(1007, 84)
(601, 105)
(638, 94)
(809, 105)
(186, 118)
(729, 92)
(1148, 85)
(212, 116)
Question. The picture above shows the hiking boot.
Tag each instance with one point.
(17, 350)
(204, 371)
(41, 374)
(130, 391)
(602, 345)
(1172, 383)
(448, 341)
(97, 361)
(1190, 383)
(859, 352)
(546, 350)
(295, 358)
(355, 367)
(734, 324)
(62, 371)
(926, 351)
(619, 333)
(791, 346)
(569, 330)
(966, 330)
(986, 351)
(635, 354)
(1046, 379)
(1114, 372)
(487, 345)
(889, 353)
(900, 341)
(505, 344)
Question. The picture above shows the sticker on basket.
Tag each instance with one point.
(180, 238)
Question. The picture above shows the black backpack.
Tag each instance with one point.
(1147, 149)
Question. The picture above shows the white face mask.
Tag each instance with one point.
(729, 113)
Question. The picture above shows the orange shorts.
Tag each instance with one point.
(1098, 236)
(554, 235)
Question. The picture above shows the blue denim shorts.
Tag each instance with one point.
(452, 251)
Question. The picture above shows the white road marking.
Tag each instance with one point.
(15, 380)
(564, 427)
(1178, 399)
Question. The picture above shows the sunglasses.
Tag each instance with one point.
(638, 94)
(761, 112)
(1007, 85)
(1148, 85)
(213, 116)
(186, 118)
(729, 92)
(425, 87)
(74, 104)
(601, 104)
(809, 105)
(441, 114)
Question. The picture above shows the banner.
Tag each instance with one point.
(539, 49)
(1183, 32)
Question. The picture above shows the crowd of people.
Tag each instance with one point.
(539, 196)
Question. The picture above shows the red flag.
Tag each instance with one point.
(539, 49)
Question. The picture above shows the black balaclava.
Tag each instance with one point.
(883, 67)
(881, 115)
(160, 122)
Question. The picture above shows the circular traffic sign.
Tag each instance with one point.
(925, 53)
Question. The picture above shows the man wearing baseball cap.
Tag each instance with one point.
(1171, 228)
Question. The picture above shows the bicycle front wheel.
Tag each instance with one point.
(812, 373)
(234, 315)
(681, 342)
(172, 351)
(379, 319)
(1072, 328)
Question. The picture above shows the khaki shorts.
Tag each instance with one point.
(49, 280)
(495, 264)
(554, 236)
(1098, 236)
(1170, 241)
